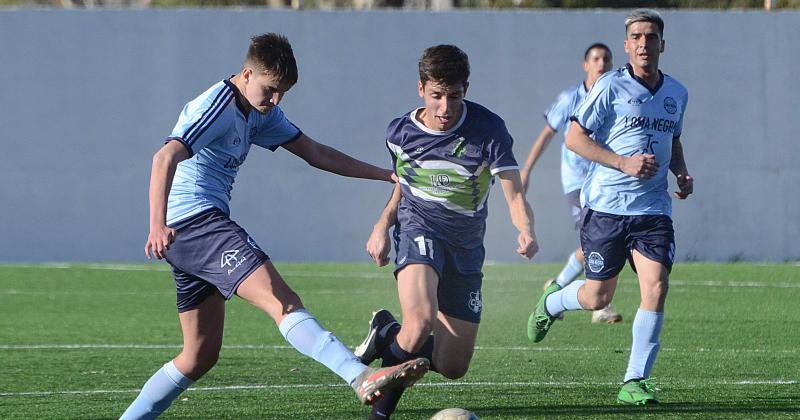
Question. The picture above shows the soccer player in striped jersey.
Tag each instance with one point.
(635, 114)
(596, 61)
(213, 258)
(446, 156)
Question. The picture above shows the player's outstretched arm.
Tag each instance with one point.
(639, 166)
(677, 165)
(521, 212)
(536, 151)
(378, 245)
(331, 160)
(163, 171)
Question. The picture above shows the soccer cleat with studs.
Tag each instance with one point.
(540, 321)
(637, 392)
(371, 384)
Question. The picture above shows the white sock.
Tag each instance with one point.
(646, 329)
(571, 271)
(157, 393)
(302, 331)
(565, 299)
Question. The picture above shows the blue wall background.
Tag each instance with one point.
(88, 97)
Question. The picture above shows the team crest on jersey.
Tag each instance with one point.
(236, 140)
(475, 303)
(596, 262)
(231, 259)
(670, 105)
(440, 180)
(458, 147)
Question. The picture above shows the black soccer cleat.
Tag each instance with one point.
(373, 346)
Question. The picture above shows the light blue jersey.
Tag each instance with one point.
(573, 167)
(628, 118)
(218, 135)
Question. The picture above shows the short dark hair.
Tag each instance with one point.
(273, 54)
(645, 15)
(446, 65)
(597, 45)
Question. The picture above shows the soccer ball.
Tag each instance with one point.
(455, 414)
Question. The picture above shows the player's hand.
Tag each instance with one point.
(158, 242)
(378, 246)
(686, 186)
(640, 166)
(528, 247)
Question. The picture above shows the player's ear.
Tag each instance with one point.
(247, 72)
(466, 86)
(662, 45)
(421, 87)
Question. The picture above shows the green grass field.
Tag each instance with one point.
(79, 341)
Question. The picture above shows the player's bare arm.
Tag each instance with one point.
(678, 167)
(378, 244)
(331, 160)
(537, 149)
(639, 166)
(521, 212)
(164, 163)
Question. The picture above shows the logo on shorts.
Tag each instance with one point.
(670, 105)
(230, 259)
(596, 262)
(475, 303)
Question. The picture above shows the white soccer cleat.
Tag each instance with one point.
(607, 315)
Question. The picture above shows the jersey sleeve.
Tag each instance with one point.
(592, 112)
(559, 112)
(276, 130)
(679, 126)
(202, 121)
(501, 155)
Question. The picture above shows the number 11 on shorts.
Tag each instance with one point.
(423, 249)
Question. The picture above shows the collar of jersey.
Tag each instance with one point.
(421, 126)
(643, 83)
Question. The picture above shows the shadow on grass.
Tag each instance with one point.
(763, 406)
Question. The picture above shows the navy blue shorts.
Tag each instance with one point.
(607, 241)
(459, 270)
(211, 254)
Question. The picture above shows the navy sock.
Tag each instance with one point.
(395, 355)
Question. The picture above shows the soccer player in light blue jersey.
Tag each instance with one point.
(446, 156)
(635, 115)
(597, 59)
(213, 258)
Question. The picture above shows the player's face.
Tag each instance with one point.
(644, 45)
(263, 90)
(597, 62)
(443, 105)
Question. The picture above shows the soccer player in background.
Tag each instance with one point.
(446, 155)
(596, 61)
(212, 258)
(635, 115)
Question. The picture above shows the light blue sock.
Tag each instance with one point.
(302, 331)
(571, 271)
(158, 393)
(646, 329)
(565, 299)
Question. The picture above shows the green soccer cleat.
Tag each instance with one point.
(540, 321)
(637, 392)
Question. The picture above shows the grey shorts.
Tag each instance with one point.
(211, 254)
(459, 270)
